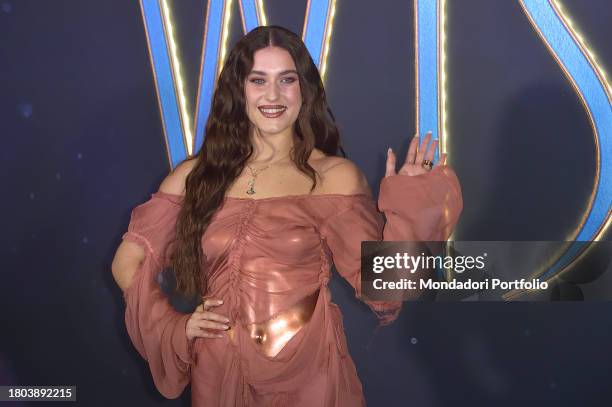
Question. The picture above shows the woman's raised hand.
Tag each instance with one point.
(205, 324)
(415, 158)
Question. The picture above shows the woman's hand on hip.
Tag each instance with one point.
(206, 324)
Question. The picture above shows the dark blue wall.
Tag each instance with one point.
(83, 145)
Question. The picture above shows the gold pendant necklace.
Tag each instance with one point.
(255, 173)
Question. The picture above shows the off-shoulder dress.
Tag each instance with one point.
(266, 258)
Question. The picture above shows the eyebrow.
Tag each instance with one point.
(281, 73)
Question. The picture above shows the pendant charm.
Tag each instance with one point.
(251, 191)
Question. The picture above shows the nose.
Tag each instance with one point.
(272, 92)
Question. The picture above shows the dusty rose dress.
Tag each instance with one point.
(269, 260)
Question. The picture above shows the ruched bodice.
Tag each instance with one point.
(270, 261)
(263, 254)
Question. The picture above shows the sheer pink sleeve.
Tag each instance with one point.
(155, 328)
(423, 207)
(343, 232)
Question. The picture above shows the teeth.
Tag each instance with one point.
(272, 111)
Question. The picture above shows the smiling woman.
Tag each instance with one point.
(263, 264)
(272, 91)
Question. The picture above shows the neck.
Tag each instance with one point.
(271, 147)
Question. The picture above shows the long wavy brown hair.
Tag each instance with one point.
(227, 147)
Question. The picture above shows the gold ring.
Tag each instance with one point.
(427, 165)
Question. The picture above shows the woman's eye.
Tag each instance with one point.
(260, 81)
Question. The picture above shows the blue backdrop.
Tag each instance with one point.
(83, 145)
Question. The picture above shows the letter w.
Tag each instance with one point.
(177, 123)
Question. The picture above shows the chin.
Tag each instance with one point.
(272, 130)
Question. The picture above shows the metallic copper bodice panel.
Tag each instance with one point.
(273, 334)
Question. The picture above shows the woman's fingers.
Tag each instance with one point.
(195, 331)
(206, 324)
(211, 302)
(390, 167)
(205, 328)
(412, 150)
(202, 313)
(211, 316)
(431, 151)
(442, 160)
(422, 149)
(417, 153)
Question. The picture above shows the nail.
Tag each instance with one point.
(220, 301)
(389, 151)
(226, 320)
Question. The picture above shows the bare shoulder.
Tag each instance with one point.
(174, 183)
(342, 176)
